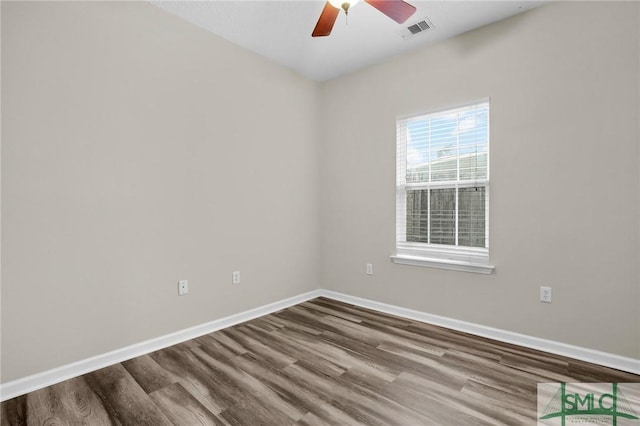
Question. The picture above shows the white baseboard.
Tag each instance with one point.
(50, 377)
(38, 381)
(606, 359)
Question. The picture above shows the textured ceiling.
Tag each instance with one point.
(281, 30)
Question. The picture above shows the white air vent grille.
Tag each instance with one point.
(417, 28)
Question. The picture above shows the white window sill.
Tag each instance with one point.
(453, 265)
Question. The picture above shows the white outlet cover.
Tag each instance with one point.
(235, 277)
(545, 294)
(183, 287)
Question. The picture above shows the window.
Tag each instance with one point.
(442, 195)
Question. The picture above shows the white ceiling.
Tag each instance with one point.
(281, 30)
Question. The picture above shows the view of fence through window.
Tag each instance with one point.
(447, 177)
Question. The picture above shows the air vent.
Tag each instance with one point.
(417, 28)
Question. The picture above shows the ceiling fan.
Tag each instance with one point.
(398, 10)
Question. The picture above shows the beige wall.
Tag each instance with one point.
(139, 150)
(563, 81)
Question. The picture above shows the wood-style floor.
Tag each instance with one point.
(318, 363)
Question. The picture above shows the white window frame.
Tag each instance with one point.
(452, 257)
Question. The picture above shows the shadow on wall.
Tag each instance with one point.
(485, 36)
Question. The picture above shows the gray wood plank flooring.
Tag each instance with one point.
(321, 362)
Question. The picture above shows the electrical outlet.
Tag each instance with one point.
(369, 268)
(235, 277)
(545, 294)
(183, 287)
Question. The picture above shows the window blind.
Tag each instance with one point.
(443, 178)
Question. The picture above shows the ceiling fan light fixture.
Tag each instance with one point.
(343, 4)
